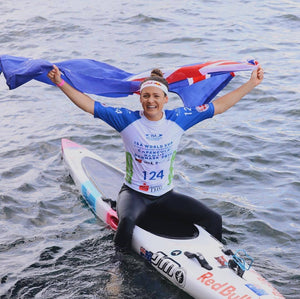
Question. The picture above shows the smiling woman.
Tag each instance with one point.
(154, 95)
(151, 138)
(244, 164)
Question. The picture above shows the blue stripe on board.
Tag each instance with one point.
(90, 193)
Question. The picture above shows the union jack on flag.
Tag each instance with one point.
(196, 84)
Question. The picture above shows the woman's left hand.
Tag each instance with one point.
(257, 76)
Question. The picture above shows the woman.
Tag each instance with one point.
(151, 137)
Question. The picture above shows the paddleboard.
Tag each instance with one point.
(184, 253)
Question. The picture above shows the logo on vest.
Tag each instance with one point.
(154, 137)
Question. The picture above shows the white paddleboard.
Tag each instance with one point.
(184, 253)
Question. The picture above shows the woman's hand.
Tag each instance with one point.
(54, 75)
(257, 76)
(228, 100)
(78, 98)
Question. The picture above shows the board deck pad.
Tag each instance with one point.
(109, 180)
(103, 175)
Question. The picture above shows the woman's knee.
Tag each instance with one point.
(214, 225)
(126, 223)
(217, 218)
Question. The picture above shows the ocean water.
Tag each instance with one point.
(244, 163)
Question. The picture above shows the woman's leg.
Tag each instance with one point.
(189, 209)
(130, 206)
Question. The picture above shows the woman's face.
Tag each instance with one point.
(153, 100)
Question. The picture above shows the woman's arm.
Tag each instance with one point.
(78, 98)
(228, 100)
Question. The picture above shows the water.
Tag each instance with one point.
(244, 163)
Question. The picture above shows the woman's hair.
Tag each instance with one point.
(157, 75)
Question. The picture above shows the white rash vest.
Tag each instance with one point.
(151, 145)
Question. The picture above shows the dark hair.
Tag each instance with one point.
(157, 75)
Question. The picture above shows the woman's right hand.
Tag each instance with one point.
(54, 75)
(78, 98)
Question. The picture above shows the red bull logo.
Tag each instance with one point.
(224, 289)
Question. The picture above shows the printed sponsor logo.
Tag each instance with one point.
(155, 188)
(169, 268)
(154, 137)
(176, 252)
(152, 82)
(146, 254)
(144, 187)
(151, 189)
(222, 260)
(202, 108)
(224, 289)
(257, 290)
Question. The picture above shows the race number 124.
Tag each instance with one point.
(153, 175)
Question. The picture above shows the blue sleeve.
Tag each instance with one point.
(118, 118)
(186, 117)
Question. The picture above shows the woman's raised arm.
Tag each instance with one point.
(230, 99)
(80, 99)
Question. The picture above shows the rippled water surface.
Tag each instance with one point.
(244, 163)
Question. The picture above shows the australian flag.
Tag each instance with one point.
(196, 84)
